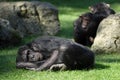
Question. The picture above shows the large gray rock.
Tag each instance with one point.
(7, 34)
(108, 36)
(31, 17)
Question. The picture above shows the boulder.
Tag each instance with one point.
(31, 17)
(108, 36)
(7, 34)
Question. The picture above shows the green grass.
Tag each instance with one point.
(107, 66)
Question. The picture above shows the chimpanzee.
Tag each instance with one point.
(82, 34)
(101, 10)
(54, 53)
(26, 57)
(85, 27)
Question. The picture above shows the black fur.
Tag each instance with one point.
(101, 10)
(83, 35)
(85, 27)
(57, 53)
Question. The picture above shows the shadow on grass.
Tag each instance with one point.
(73, 3)
(100, 66)
(78, 3)
(109, 60)
(23, 41)
(66, 32)
(7, 63)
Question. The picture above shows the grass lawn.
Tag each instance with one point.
(107, 66)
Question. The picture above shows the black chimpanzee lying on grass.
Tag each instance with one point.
(54, 53)
(85, 27)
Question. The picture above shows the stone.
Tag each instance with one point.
(7, 34)
(31, 17)
(108, 36)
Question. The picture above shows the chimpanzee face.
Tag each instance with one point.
(85, 22)
(34, 56)
(29, 55)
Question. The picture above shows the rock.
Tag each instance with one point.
(7, 34)
(108, 36)
(31, 17)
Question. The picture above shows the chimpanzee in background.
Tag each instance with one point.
(49, 52)
(85, 27)
(101, 10)
(81, 26)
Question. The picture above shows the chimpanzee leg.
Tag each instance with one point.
(56, 67)
(26, 65)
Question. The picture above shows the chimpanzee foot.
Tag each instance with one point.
(57, 67)
(33, 69)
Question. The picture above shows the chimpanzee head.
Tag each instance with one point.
(34, 56)
(86, 19)
(28, 54)
(99, 7)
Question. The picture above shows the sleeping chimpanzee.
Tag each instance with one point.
(82, 34)
(49, 52)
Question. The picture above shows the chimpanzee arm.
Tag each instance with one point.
(48, 63)
(25, 65)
